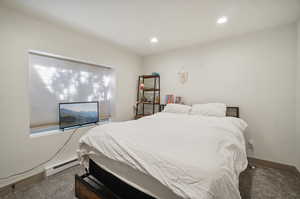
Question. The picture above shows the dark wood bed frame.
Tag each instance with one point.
(97, 183)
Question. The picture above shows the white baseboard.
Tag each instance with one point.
(51, 170)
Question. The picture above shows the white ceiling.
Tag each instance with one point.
(176, 23)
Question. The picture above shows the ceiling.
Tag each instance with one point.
(176, 23)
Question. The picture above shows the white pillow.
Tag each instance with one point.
(210, 109)
(239, 123)
(177, 108)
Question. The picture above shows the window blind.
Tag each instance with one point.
(54, 80)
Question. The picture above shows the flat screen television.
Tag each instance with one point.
(78, 113)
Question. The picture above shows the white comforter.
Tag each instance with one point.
(196, 157)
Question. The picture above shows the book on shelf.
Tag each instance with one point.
(169, 99)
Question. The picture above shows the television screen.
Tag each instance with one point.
(78, 113)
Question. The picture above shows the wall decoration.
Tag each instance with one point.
(183, 76)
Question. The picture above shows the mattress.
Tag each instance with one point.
(174, 155)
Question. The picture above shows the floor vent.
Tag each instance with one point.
(60, 167)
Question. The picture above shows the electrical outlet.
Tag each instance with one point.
(251, 144)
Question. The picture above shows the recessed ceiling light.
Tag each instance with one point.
(222, 20)
(154, 40)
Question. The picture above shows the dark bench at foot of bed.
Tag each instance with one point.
(100, 184)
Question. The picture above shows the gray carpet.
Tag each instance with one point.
(260, 183)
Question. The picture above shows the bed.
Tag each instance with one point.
(152, 158)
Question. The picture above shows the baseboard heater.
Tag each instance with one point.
(62, 166)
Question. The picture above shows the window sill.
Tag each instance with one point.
(47, 132)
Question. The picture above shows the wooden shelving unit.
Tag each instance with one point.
(148, 95)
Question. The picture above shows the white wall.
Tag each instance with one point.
(255, 72)
(298, 97)
(18, 34)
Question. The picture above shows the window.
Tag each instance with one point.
(54, 79)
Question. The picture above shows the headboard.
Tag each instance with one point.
(231, 111)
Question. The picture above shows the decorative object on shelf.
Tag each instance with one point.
(157, 99)
(169, 99)
(143, 99)
(142, 86)
(183, 76)
(178, 100)
(148, 95)
(161, 107)
(155, 74)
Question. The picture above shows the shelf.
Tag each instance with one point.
(150, 89)
(143, 95)
(147, 103)
(149, 76)
(142, 115)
